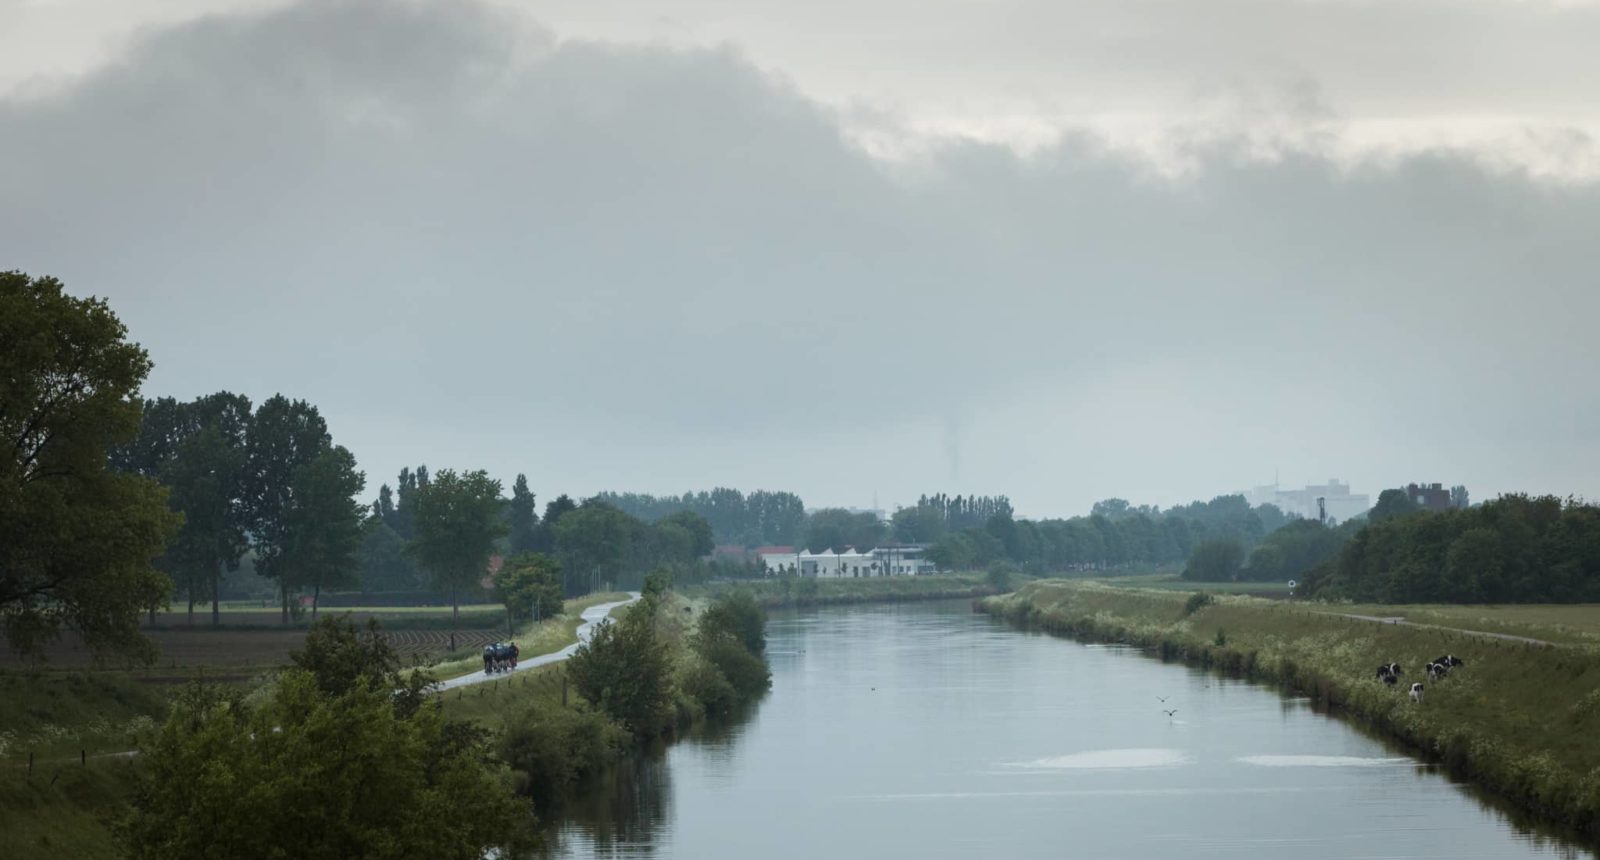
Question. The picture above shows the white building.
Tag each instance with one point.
(895, 560)
(1335, 495)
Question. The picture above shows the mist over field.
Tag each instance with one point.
(474, 239)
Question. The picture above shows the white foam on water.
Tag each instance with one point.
(1321, 761)
(1109, 760)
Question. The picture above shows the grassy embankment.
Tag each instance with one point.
(787, 592)
(66, 808)
(1518, 719)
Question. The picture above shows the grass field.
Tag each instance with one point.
(1519, 719)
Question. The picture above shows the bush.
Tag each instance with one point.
(745, 672)
(704, 683)
(737, 615)
(554, 748)
(1197, 601)
(624, 670)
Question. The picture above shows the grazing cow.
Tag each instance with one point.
(1437, 671)
(1390, 679)
(1416, 692)
(1450, 661)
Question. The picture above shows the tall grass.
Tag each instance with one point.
(1520, 720)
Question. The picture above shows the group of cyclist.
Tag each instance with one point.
(500, 657)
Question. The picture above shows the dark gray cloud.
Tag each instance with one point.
(655, 268)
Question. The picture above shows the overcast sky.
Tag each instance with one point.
(1158, 249)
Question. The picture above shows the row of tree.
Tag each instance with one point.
(1514, 549)
(1113, 535)
(269, 480)
(762, 518)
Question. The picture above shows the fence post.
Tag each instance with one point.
(83, 757)
(30, 764)
(563, 688)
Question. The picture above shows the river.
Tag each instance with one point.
(925, 731)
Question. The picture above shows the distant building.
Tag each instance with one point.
(889, 560)
(1429, 497)
(1340, 503)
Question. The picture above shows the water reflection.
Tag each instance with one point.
(925, 731)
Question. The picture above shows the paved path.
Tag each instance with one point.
(1400, 619)
(591, 619)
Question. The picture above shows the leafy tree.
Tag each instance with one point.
(554, 510)
(738, 616)
(204, 477)
(523, 517)
(324, 534)
(77, 540)
(1215, 561)
(625, 671)
(954, 552)
(920, 524)
(1459, 497)
(285, 435)
(594, 542)
(342, 657)
(657, 583)
(457, 523)
(1391, 504)
(529, 585)
(830, 530)
(385, 566)
(321, 776)
(701, 542)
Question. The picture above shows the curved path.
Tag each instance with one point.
(591, 619)
(1401, 619)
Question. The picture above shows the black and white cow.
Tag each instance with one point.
(1416, 692)
(1437, 670)
(1450, 661)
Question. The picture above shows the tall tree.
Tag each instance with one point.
(530, 586)
(457, 522)
(523, 517)
(285, 435)
(324, 523)
(593, 542)
(204, 476)
(77, 540)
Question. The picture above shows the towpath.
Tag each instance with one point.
(1400, 619)
(591, 620)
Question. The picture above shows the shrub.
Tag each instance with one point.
(1197, 601)
(703, 682)
(554, 748)
(746, 673)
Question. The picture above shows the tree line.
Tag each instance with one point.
(1114, 534)
(761, 518)
(1514, 549)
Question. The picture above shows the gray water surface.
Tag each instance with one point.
(925, 731)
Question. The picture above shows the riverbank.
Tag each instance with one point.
(1517, 719)
(803, 592)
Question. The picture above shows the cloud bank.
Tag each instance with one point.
(474, 244)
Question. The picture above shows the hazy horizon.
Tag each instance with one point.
(615, 253)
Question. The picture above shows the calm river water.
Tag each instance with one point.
(925, 731)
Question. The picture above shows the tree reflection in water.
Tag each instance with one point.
(621, 812)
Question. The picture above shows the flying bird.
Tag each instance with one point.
(1169, 713)
(1163, 698)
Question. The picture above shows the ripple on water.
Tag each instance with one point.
(1322, 761)
(1109, 760)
